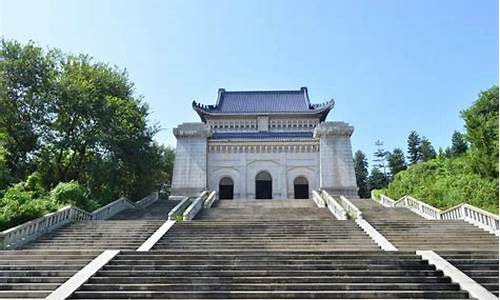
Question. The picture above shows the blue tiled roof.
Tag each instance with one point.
(261, 135)
(263, 101)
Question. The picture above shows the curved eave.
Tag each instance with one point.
(321, 111)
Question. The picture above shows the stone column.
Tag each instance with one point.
(337, 174)
(190, 167)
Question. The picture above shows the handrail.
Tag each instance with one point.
(179, 208)
(23, 233)
(194, 208)
(210, 200)
(320, 202)
(112, 209)
(28, 231)
(423, 209)
(351, 209)
(337, 210)
(148, 200)
(463, 211)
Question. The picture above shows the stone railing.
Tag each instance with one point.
(21, 234)
(195, 207)
(320, 202)
(350, 208)
(148, 200)
(423, 209)
(337, 209)
(112, 209)
(464, 211)
(210, 200)
(179, 208)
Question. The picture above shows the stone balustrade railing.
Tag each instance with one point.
(112, 209)
(337, 209)
(21, 234)
(350, 208)
(320, 202)
(195, 207)
(148, 200)
(423, 209)
(210, 200)
(464, 211)
(179, 209)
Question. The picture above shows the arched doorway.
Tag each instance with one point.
(301, 188)
(226, 188)
(263, 186)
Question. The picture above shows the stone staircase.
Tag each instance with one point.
(482, 266)
(437, 235)
(267, 250)
(97, 235)
(36, 273)
(126, 230)
(374, 211)
(265, 210)
(156, 211)
(206, 274)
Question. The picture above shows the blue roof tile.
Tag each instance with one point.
(261, 135)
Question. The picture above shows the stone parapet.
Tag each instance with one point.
(330, 129)
(192, 129)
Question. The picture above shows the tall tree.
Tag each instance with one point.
(377, 179)
(396, 161)
(414, 154)
(481, 124)
(458, 144)
(381, 157)
(427, 150)
(361, 170)
(26, 84)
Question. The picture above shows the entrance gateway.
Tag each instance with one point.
(263, 145)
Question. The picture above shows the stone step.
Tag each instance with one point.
(271, 295)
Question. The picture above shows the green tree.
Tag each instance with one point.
(458, 144)
(377, 179)
(427, 150)
(26, 85)
(414, 154)
(396, 161)
(361, 170)
(381, 157)
(481, 124)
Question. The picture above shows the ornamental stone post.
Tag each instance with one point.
(190, 167)
(337, 174)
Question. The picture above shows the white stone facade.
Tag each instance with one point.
(290, 147)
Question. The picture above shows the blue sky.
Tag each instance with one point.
(391, 66)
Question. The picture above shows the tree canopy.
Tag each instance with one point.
(78, 121)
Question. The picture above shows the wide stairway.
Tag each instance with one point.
(265, 210)
(283, 252)
(156, 211)
(467, 247)
(36, 273)
(126, 230)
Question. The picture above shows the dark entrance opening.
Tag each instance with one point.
(226, 188)
(301, 188)
(263, 186)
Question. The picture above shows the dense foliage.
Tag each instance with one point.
(76, 126)
(444, 183)
(464, 173)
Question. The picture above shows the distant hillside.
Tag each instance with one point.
(444, 183)
(471, 176)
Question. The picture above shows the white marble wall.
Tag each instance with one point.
(242, 168)
(190, 167)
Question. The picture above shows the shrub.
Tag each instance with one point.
(72, 193)
(444, 183)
